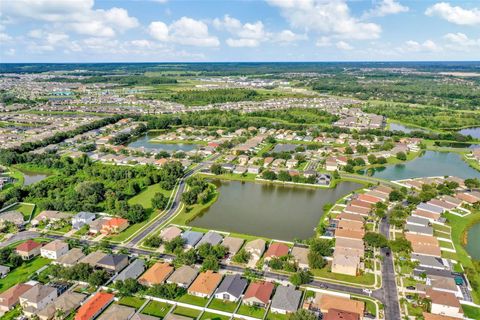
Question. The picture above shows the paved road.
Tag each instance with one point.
(175, 206)
(21, 236)
(389, 287)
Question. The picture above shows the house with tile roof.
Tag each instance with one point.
(170, 233)
(37, 298)
(94, 306)
(28, 250)
(210, 237)
(54, 249)
(70, 258)
(183, 276)
(9, 298)
(276, 250)
(445, 303)
(117, 312)
(114, 225)
(300, 256)
(205, 284)
(156, 274)
(325, 302)
(68, 302)
(191, 238)
(233, 244)
(258, 293)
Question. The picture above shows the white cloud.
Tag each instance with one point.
(185, 31)
(342, 45)
(386, 7)
(456, 15)
(461, 42)
(4, 37)
(323, 42)
(286, 36)
(327, 17)
(238, 43)
(76, 15)
(244, 35)
(426, 46)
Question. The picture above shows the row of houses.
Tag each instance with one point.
(349, 230)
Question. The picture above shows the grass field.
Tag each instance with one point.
(255, 312)
(133, 302)
(193, 300)
(221, 305)
(187, 312)
(213, 316)
(364, 279)
(157, 309)
(276, 316)
(22, 273)
(471, 312)
(24, 208)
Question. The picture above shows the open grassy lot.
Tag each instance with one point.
(24, 208)
(255, 312)
(365, 279)
(187, 312)
(221, 305)
(133, 302)
(446, 244)
(276, 316)
(196, 301)
(213, 316)
(157, 309)
(22, 273)
(471, 312)
(188, 214)
(145, 197)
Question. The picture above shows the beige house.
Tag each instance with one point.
(67, 302)
(37, 298)
(256, 248)
(233, 244)
(170, 233)
(54, 249)
(345, 264)
(71, 258)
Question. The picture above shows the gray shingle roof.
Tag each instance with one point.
(211, 237)
(192, 237)
(286, 298)
(233, 285)
(132, 271)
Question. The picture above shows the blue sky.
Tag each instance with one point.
(238, 30)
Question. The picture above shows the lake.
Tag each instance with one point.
(269, 210)
(404, 128)
(474, 132)
(144, 142)
(473, 241)
(31, 177)
(431, 163)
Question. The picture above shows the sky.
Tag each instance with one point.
(238, 30)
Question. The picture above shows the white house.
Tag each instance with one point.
(54, 249)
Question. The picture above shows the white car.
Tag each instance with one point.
(367, 291)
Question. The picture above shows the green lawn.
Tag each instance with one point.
(276, 316)
(12, 314)
(25, 208)
(449, 255)
(471, 312)
(22, 273)
(196, 301)
(213, 316)
(133, 302)
(145, 197)
(446, 244)
(364, 279)
(221, 305)
(187, 215)
(255, 312)
(441, 228)
(187, 312)
(157, 309)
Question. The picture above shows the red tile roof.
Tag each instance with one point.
(28, 246)
(93, 306)
(277, 250)
(260, 290)
(335, 314)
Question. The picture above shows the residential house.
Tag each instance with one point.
(425, 245)
(420, 230)
(97, 225)
(94, 306)
(300, 256)
(345, 264)
(430, 216)
(253, 169)
(291, 163)
(9, 298)
(93, 258)
(156, 274)
(81, 219)
(430, 262)
(231, 288)
(258, 293)
(117, 312)
(54, 249)
(350, 217)
(335, 314)
(114, 225)
(71, 258)
(28, 250)
(431, 316)
(326, 302)
(349, 234)
(357, 210)
(183, 276)
(170, 233)
(49, 216)
(191, 238)
(210, 237)
(256, 248)
(352, 245)
(445, 284)
(276, 250)
(445, 303)
(233, 244)
(368, 198)
(205, 284)
(286, 300)
(67, 302)
(430, 208)
(240, 170)
(132, 271)
(113, 262)
(12, 216)
(37, 298)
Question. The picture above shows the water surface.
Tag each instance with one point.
(270, 210)
(473, 241)
(430, 164)
(474, 132)
(31, 177)
(404, 128)
(144, 142)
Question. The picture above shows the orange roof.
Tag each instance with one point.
(368, 198)
(92, 307)
(116, 222)
(350, 234)
(10, 297)
(357, 210)
(426, 214)
(334, 314)
(206, 282)
(431, 316)
(277, 250)
(28, 246)
(350, 217)
(260, 290)
(443, 298)
(157, 274)
(361, 204)
(350, 225)
(422, 239)
(325, 302)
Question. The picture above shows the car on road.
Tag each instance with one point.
(367, 291)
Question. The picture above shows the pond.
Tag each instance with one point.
(144, 142)
(269, 210)
(473, 241)
(461, 145)
(404, 128)
(474, 132)
(430, 164)
(31, 177)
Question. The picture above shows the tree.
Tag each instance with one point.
(321, 246)
(167, 291)
(316, 260)
(375, 240)
(472, 183)
(210, 263)
(284, 176)
(98, 278)
(396, 195)
(135, 213)
(349, 168)
(242, 256)
(269, 175)
(302, 314)
(172, 245)
(400, 245)
(128, 287)
(153, 241)
(401, 156)
(301, 277)
(216, 169)
(372, 159)
(159, 201)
